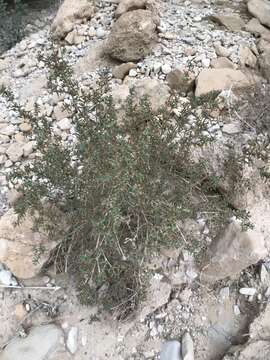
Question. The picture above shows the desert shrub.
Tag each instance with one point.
(123, 185)
(11, 23)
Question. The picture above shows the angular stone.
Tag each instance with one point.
(234, 251)
(17, 244)
(158, 295)
(133, 36)
(220, 79)
(156, 91)
(73, 38)
(247, 58)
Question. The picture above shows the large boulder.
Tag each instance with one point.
(261, 10)
(220, 79)
(70, 13)
(234, 251)
(133, 36)
(19, 244)
(41, 343)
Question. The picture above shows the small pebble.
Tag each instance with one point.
(248, 291)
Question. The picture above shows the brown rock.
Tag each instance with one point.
(70, 13)
(179, 81)
(133, 36)
(234, 251)
(121, 71)
(220, 79)
(17, 244)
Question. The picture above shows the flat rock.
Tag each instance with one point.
(220, 79)
(231, 22)
(42, 342)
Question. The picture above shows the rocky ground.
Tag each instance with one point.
(218, 312)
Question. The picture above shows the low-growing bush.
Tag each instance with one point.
(12, 28)
(123, 185)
